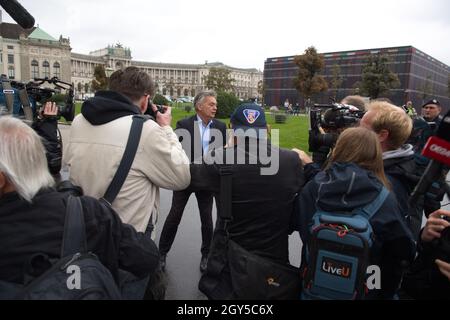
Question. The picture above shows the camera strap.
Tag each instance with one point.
(8, 92)
(26, 104)
(127, 159)
(226, 179)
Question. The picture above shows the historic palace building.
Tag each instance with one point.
(29, 54)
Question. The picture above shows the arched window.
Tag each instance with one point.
(34, 69)
(46, 69)
(11, 72)
(57, 70)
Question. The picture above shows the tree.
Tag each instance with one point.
(336, 80)
(160, 99)
(219, 79)
(377, 78)
(226, 103)
(261, 90)
(426, 89)
(308, 81)
(261, 87)
(100, 81)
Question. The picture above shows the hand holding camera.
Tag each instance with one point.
(48, 111)
(161, 114)
(436, 223)
(304, 157)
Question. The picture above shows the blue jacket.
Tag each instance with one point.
(344, 187)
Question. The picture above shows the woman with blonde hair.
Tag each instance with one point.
(354, 178)
(361, 147)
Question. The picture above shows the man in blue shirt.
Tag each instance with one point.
(198, 134)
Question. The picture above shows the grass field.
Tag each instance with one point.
(293, 133)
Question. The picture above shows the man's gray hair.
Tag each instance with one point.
(22, 158)
(202, 95)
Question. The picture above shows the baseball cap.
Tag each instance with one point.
(249, 117)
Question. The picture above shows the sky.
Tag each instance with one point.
(244, 33)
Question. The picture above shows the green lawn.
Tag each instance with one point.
(293, 133)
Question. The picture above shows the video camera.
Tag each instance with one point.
(326, 120)
(25, 100)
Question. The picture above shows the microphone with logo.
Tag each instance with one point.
(18, 13)
(438, 150)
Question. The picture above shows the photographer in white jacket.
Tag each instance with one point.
(98, 139)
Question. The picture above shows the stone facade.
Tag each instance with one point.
(28, 54)
(172, 79)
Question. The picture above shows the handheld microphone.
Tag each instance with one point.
(438, 149)
(18, 13)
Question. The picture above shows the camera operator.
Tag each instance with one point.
(356, 101)
(325, 130)
(46, 125)
(429, 275)
(332, 123)
(393, 127)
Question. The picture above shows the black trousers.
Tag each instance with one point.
(179, 200)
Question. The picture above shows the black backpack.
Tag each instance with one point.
(77, 275)
(94, 281)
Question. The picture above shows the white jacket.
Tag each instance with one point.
(93, 155)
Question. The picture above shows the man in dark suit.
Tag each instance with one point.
(198, 134)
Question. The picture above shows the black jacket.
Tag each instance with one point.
(27, 229)
(194, 148)
(47, 128)
(424, 280)
(403, 173)
(345, 187)
(262, 205)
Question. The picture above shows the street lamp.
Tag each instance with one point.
(108, 72)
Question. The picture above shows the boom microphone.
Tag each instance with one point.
(438, 149)
(18, 13)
